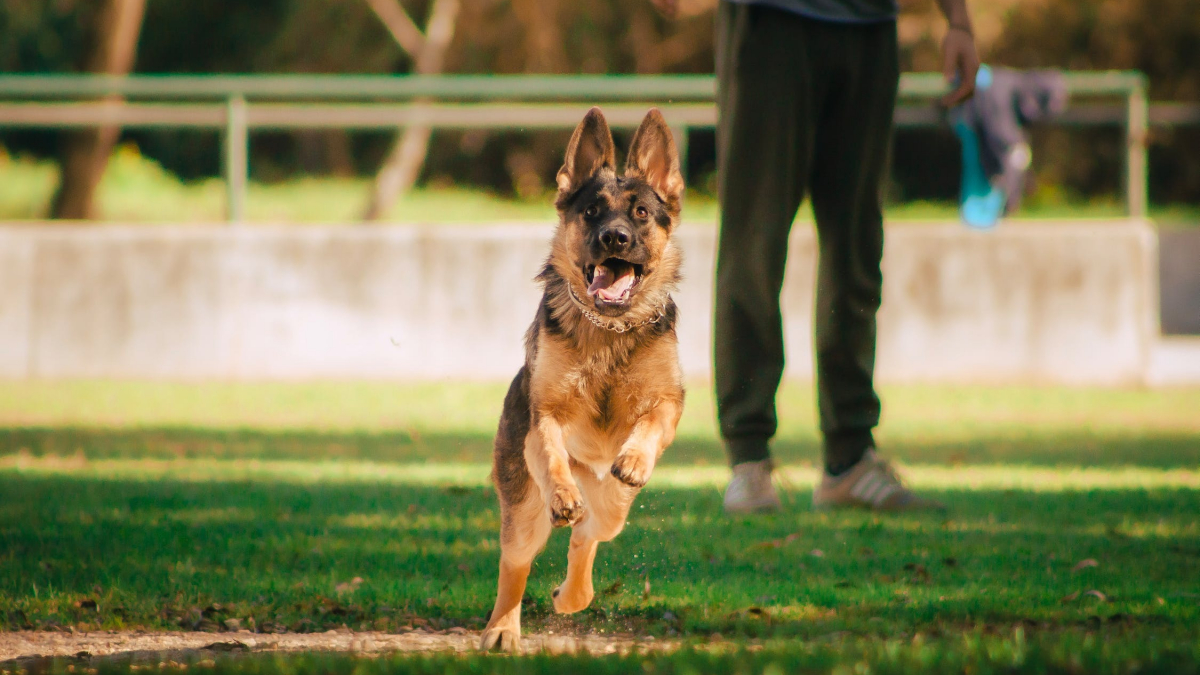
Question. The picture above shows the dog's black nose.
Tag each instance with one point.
(616, 238)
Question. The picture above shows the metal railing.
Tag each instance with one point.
(237, 104)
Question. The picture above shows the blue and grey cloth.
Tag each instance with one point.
(991, 127)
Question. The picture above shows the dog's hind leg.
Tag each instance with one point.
(524, 529)
(608, 503)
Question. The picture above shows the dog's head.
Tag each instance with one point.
(613, 246)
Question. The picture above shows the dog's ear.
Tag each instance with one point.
(590, 150)
(654, 159)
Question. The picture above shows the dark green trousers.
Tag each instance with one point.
(805, 108)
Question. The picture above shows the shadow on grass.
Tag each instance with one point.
(117, 554)
(1047, 448)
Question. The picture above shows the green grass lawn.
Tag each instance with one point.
(167, 506)
(136, 189)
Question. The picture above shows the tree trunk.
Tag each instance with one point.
(338, 156)
(402, 166)
(85, 153)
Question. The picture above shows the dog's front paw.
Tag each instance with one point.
(566, 506)
(632, 469)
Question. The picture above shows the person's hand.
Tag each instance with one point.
(958, 58)
(668, 8)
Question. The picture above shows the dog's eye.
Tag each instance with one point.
(592, 211)
(641, 212)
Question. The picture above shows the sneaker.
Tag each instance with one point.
(872, 483)
(750, 490)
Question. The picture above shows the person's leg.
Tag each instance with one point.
(849, 165)
(763, 146)
(850, 155)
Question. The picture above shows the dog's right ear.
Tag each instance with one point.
(590, 150)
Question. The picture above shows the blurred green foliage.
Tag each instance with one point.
(136, 188)
(1158, 37)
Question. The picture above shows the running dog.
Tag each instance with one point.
(600, 394)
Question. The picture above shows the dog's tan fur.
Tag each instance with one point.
(592, 410)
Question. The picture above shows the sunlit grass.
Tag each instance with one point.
(467, 407)
(454, 422)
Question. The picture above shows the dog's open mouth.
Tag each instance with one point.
(612, 281)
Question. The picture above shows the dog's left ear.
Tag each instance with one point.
(654, 159)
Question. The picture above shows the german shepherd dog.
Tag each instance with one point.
(600, 394)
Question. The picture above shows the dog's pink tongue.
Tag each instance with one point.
(601, 278)
(609, 286)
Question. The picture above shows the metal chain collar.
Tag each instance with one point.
(614, 326)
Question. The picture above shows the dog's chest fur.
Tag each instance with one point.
(598, 384)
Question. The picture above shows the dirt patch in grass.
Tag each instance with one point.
(26, 649)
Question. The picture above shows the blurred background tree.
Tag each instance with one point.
(1159, 37)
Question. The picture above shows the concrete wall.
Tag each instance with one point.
(1062, 302)
(1179, 280)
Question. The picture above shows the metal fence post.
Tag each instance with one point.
(236, 158)
(1137, 124)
